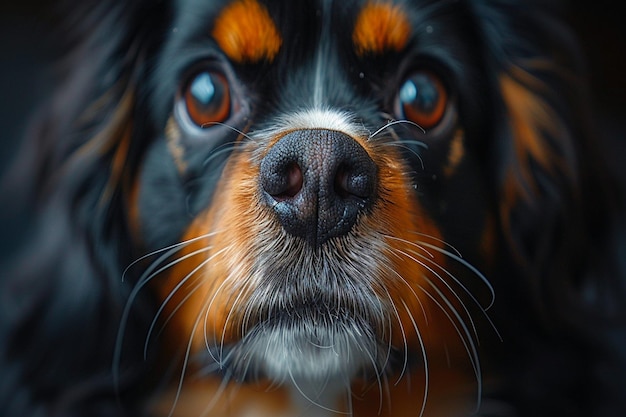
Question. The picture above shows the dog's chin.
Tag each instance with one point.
(308, 349)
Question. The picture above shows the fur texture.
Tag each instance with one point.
(317, 236)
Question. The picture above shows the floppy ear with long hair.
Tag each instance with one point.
(557, 205)
(554, 194)
(71, 178)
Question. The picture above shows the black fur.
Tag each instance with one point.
(559, 271)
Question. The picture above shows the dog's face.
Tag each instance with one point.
(324, 165)
(319, 201)
(266, 70)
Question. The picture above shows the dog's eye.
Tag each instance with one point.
(422, 99)
(207, 98)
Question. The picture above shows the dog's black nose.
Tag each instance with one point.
(318, 182)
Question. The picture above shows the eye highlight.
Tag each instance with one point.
(422, 99)
(207, 98)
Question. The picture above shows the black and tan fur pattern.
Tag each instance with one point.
(313, 239)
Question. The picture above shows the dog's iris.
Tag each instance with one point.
(207, 98)
(423, 99)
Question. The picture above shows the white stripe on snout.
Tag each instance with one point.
(328, 119)
(322, 55)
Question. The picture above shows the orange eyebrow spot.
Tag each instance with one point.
(246, 32)
(380, 27)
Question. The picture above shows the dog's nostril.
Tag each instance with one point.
(291, 184)
(281, 179)
(350, 182)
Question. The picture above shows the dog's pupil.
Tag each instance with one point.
(419, 93)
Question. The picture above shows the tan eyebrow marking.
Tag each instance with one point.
(246, 32)
(381, 26)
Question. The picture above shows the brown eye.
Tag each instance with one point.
(207, 98)
(423, 99)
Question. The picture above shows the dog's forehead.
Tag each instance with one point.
(249, 31)
(310, 53)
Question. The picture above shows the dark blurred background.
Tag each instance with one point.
(27, 49)
(599, 25)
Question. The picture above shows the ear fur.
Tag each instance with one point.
(563, 275)
(555, 202)
(73, 175)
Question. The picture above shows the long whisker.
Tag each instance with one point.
(225, 148)
(207, 308)
(404, 144)
(438, 240)
(464, 336)
(404, 340)
(177, 246)
(234, 129)
(444, 282)
(394, 123)
(457, 258)
(377, 372)
(174, 291)
(469, 266)
(424, 357)
(165, 268)
(143, 280)
(178, 286)
(389, 326)
(405, 282)
(469, 293)
(228, 317)
(184, 365)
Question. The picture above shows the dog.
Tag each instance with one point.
(317, 208)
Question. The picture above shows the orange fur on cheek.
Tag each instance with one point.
(208, 284)
(414, 276)
(422, 320)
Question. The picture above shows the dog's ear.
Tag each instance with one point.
(66, 188)
(553, 195)
(86, 123)
(77, 149)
